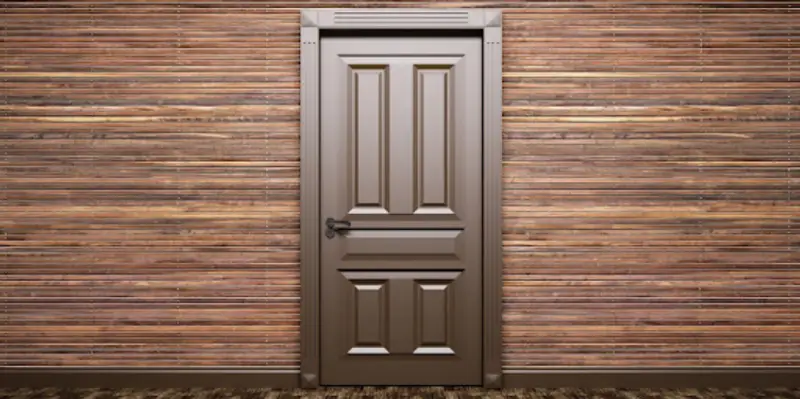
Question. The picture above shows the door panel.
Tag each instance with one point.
(433, 138)
(370, 150)
(444, 244)
(401, 161)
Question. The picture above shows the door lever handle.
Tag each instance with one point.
(334, 226)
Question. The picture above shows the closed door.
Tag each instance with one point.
(401, 133)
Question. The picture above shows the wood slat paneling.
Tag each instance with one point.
(150, 182)
(151, 167)
(651, 157)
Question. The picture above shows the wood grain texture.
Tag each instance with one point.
(150, 171)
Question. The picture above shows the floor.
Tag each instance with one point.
(393, 392)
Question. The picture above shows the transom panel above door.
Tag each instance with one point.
(395, 274)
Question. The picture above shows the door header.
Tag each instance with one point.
(400, 18)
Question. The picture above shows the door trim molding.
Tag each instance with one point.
(314, 20)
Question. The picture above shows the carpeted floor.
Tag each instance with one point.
(396, 392)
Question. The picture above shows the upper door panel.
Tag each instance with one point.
(408, 127)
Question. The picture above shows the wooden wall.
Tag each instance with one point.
(149, 180)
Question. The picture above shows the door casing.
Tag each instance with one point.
(315, 22)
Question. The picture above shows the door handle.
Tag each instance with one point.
(334, 226)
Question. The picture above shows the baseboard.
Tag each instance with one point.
(149, 377)
(250, 377)
(646, 377)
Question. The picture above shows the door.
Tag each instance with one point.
(401, 136)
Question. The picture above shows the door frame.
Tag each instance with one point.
(314, 20)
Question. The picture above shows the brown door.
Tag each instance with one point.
(401, 163)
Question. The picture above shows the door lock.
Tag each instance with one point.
(335, 226)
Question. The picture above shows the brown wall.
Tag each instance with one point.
(150, 182)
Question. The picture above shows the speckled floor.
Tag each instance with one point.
(397, 392)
